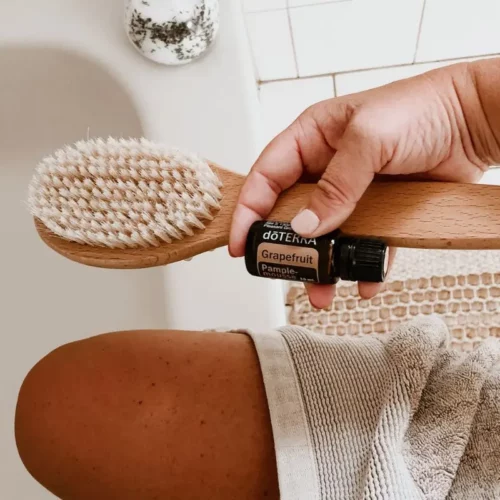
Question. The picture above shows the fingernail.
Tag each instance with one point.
(305, 222)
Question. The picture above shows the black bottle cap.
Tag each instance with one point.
(362, 259)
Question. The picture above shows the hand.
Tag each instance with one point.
(415, 127)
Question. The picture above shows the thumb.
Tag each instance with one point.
(343, 183)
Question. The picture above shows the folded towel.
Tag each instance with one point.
(398, 417)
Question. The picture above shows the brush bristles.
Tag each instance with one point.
(123, 193)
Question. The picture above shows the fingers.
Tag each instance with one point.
(369, 290)
(320, 296)
(344, 181)
(307, 145)
(278, 167)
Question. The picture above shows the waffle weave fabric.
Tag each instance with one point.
(462, 287)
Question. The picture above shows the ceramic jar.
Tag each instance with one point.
(172, 31)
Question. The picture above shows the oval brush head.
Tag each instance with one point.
(123, 193)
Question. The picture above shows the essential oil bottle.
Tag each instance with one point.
(274, 250)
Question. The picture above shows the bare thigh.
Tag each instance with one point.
(149, 415)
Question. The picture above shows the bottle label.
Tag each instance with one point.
(287, 262)
(280, 253)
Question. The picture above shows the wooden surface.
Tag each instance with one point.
(416, 215)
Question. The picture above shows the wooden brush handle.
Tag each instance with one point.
(403, 214)
(432, 215)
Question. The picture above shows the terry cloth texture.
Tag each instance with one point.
(397, 417)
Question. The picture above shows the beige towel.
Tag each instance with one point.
(398, 417)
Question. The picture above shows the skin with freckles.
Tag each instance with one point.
(442, 125)
(149, 415)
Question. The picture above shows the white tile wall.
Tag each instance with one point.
(272, 46)
(361, 44)
(298, 3)
(344, 36)
(459, 28)
(282, 102)
(332, 36)
(262, 5)
(491, 177)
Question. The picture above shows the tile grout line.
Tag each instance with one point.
(374, 68)
(250, 46)
(292, 37)
(334, 86)
(295, 6)
(419, 31)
